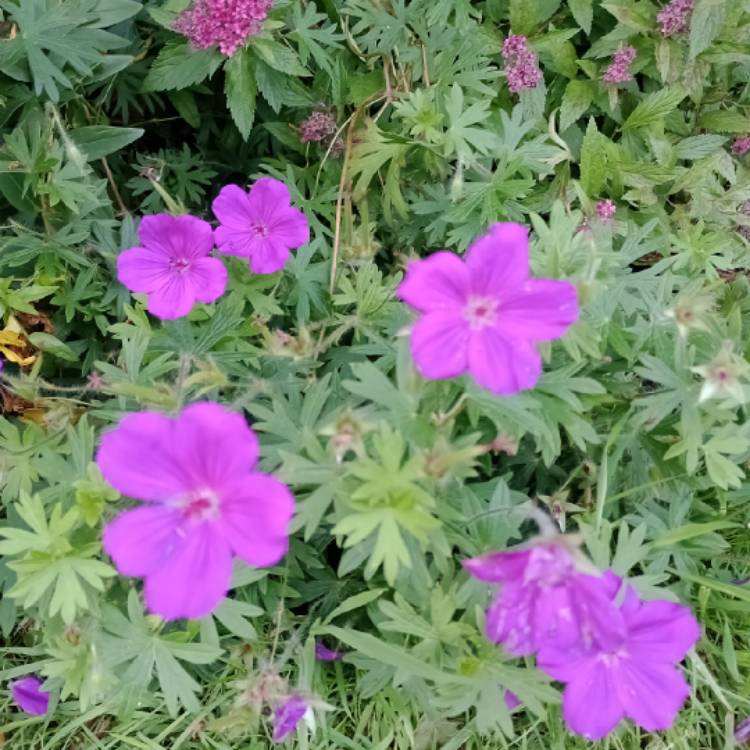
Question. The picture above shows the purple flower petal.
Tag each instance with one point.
(194, 580)
(590, 702)
(137, 459)
(503, 365)
(198, 468)
(255, 519)
(540, 310)
(323, 653)
(29, 696)
(499, 260)
(511, 700)
(260, 225)
(287, 716)
(172, 266)
(742, 733)
(142, 540)
(499, 567)
(651, 693)
(435, 283)
(439, 344)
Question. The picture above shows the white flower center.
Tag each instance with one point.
(199, 505)
(181, 265)
(481, 311)
(260, 230)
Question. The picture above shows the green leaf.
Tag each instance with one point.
(185, 104)
(523, 16)
(714, 584)
(724, 122)
(355, 602)
(593, 160)
(395, 657)
(240, 89)
(96, 141)
(583, 12)
(576, 100)
(279, 57)
(655, 107)
(48, 343)
(706, 21)
(178, 66)
(690, 531)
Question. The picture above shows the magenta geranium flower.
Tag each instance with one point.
(484, 315)
(544, 599)
(260, 225)
(172, 265)
(205, 504)
(288, 715)
(634, 677)
(29, 696)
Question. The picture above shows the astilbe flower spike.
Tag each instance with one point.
(227, 24)
(204, 503)
(634, 676)
(606, 209)
(28, 695)
(260, 225)
(619, 69)
(318, 127)
(484, 315)
(172, 265)
(674, 18)
(521, 64)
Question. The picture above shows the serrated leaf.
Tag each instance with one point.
(706, 21)
(724, 121)
(576, 100)
(655, 107)
(279, 57)
(593, 160)
(240, 89)
(178, 66)
(96, 141)
(583, 12)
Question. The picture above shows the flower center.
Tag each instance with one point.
(481, 312)
(180, 264)
(260, 230)
(200, 505)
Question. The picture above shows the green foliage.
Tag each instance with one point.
(636, 437)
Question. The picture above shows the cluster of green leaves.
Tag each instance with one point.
(636, 436)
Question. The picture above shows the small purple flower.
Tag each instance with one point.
(173, 266)
(674, 18)
(319, 126)
(260, 225)
(484, 315)
(521, 64)
(635, 676)
(741, 145)
(511, 700)
(606, 209)
(288, 715)
(544, 599)
(742, 733)
(323, 653)
(205, 503)
(29, 697)
(619, 69)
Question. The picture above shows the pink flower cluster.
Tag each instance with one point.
(618, 70)
(616, 654)
(674, 18)
(318, 127)
(606, 209)
(226, 23)
(521, 64)
(741, 145)
(173, 263)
